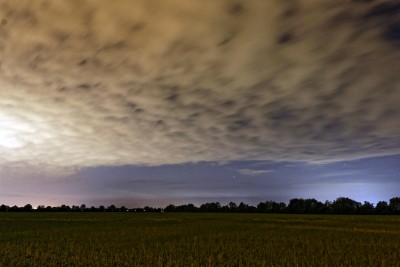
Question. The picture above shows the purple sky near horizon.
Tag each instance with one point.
(156, 102)
(371, 179)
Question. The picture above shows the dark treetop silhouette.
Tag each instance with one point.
(341, 205)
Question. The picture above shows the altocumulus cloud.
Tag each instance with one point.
(156, 82)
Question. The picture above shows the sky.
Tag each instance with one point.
(154, 102)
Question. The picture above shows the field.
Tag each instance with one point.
(173, 239)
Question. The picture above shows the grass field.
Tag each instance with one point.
(165, 239)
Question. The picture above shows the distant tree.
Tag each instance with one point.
(366, 208)
(14, 208)
(123, 208)
(75, 208)
(170, 208)
(382, 207)
(341, 205)
(147, 209)
(92, 209)
(296, 205)
(27, 207)
(279, 207)
(328, 207)
(271, 207)
(183, 208)
(4, 208)
(245, 208)
(225, 209)
(111, 208)
(65, 208)
(191, 208)
(232, 206)
(313, 206)
(41, 208)
(344, 205)
(210, 207)
(394, 205)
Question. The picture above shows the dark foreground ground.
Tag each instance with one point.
(161, 239)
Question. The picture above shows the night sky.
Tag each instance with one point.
(154, 102)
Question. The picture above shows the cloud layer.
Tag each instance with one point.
(89, 83)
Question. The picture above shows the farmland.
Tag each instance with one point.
(193, 239)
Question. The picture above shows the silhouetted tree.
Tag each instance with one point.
(341, 205)
(328, 207)
(170, 208)
(314, 206)
(271, 207)
(185, 208)
(41, 208)
(27, 207)
(366, 208)
(65, 208)
(14, 208)
(245, 208)
(232, 206)
(4, 208)
(394, 205)
(111, 208)
(147, 209)
(191, 208)
(224, 209)
(344, 205)
(75, 208)
(382, 207)
(296, 205)
(210, 207)
(123, 208)
(92, 209)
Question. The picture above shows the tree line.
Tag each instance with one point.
(341, 205)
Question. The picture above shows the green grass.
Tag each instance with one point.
(161, 239)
